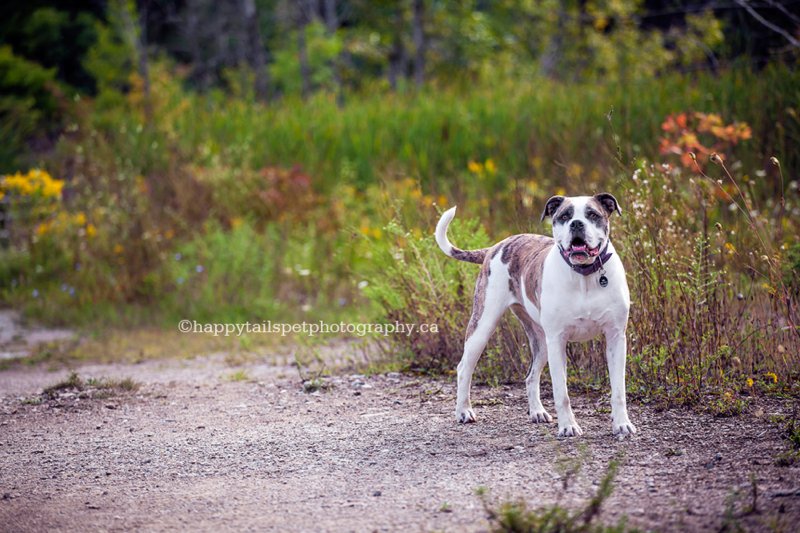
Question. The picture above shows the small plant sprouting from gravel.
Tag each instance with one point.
(790, 430)
(95, 388)
(304, 358)
(239, 375)
(512, 517)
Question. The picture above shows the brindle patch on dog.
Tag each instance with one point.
(479, 299)
(533, 331)
(525, 255)
(566, 209)
(470, 256)
(595, 205)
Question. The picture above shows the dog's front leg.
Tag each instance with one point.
(557, 359)
(616, 353)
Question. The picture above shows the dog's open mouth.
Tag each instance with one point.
(579, 249)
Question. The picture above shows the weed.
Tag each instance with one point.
(239, 375)
(415, 283)
(306, 357)
(790, 430)
(72, 382)
(518, 517)
(96, 388)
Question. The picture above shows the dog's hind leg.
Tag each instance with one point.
(492, 298)
(538, 346)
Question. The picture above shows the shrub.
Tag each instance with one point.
(27, 104)
(415, 283)
(705, 319)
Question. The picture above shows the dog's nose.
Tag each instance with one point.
(576, 225)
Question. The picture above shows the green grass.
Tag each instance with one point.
(238, 376)
(432, 135)
(518, 517)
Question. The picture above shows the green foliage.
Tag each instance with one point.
(224, 274)
(27, 102)
(517, 517)
(415, 283)
(322, 48)
(113, 59)
(699, 326)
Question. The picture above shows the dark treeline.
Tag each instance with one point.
(300, 46)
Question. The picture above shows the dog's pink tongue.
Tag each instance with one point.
(579, 248)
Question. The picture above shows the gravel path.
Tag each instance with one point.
(192, 449)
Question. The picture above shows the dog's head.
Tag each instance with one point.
(581, 224)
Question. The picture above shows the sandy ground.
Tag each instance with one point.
(195, 450)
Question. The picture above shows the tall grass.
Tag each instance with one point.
(531, 127)
(710, 326)
(315, 184)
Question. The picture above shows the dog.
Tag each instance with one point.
(570, 287)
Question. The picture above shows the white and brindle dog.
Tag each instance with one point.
(571, 287)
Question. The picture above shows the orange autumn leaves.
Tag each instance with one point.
(702, 135)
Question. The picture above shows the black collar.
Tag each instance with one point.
(591, 268)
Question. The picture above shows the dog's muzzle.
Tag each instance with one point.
(579, 250)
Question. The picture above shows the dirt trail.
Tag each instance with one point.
(194, 450)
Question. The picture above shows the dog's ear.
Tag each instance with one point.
(551, 206)
(608, 202)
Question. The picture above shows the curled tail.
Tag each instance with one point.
(470, 256)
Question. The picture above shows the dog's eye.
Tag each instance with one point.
(593, 216)
(564, 217)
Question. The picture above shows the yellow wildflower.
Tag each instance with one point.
(118, 249)
(772, 376)
(475, 167)
(574, 170)
(749, 382)
(490, 166)
(34, 182)
(91, 231)
(730, 248)
(43, 228)
(80, 218)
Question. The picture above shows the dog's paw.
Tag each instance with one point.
(465, 416)
(623, 428)
(540, 416)
(570, 430)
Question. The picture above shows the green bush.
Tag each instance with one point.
(27, 103)
(415, 283)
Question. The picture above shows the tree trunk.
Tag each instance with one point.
(397, 55)
(192, 27)
(137, 33)
(255, 46)
(303, 15)
(144, 66)
(552, 55)
(332, 24)
(419, 41)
